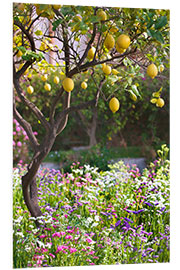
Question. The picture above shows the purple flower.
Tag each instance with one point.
(149, 204)
(134, 212)
(117, 223)
(129, 220)
(138, 211)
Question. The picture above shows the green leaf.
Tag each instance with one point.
(67, 10)
(21, 48)
(159, 37)
(162, 21)
(135, 90)
(57, 23)
(156, 35)
(38, 33)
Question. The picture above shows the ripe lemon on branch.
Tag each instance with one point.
(102, 15)
(91, 53)
(160, 102)
(161, 68)
(109, 42)
(84, 85)
(56, 79)
(152, 70)
(120, 50)
(47, 87)
(114, 104)
(44, 77)
(106, 69)
(123, 41)
(30, 89)
(68, 84)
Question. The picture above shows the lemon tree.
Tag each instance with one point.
(68, 41)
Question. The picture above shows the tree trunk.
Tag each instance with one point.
(29, 185)
(30, 190)
(92, 130)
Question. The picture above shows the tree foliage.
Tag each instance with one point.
(57, 39)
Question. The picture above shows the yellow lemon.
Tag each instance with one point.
(56, 79)
(44, 77)
(109, 42)
(161, 68)
(102, 15)
(103, 65)
(19, 54)
(123, 41)
(120, 50)
(56, 6)
(107, 70)
(114, 104)
(20, 66)
(26, 71)
(68, 84)
(30, 89)
(29, 75)
(77, 18)
(115, 71)
(84, 85)
(47, 87)
(152, 71)
(113, 29)
(160, 102)
(91, 53)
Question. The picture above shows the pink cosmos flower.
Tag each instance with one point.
(91, 252)
(58, 234)
(88, 240)
(18, 129)
(68, 237)
(78, 184)
(43, 236)
(59, 248)
(65, 216)
(52, 255)
(72, 250)
(19, 144)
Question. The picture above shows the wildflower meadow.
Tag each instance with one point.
(120, 216)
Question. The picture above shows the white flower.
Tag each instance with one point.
(96, 218)
(89, 220)
(94, 224)
(20, 234)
